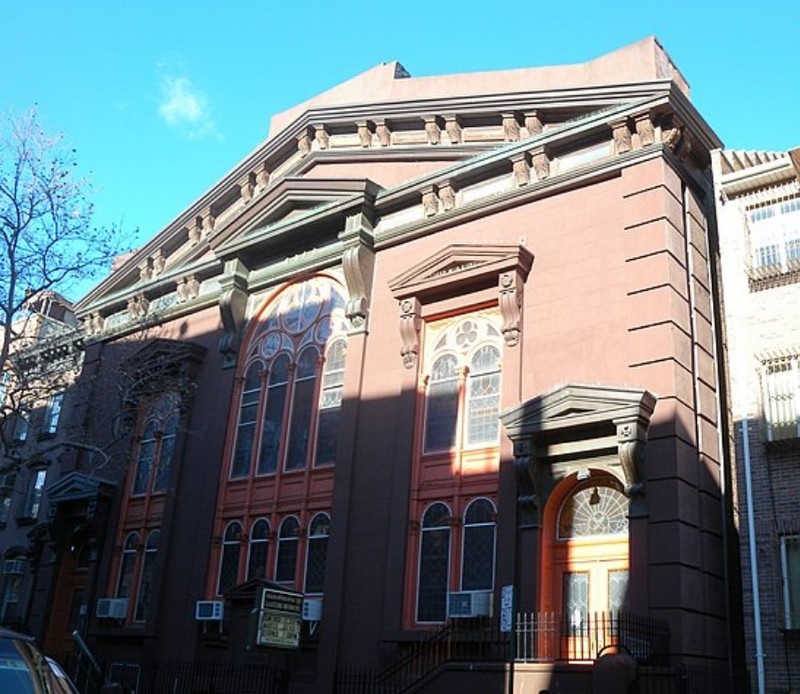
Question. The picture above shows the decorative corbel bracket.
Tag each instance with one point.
(631, 439)
(410, 323)
(621, 133)
(511, 284)
(232, 308)
(358, 262)
(525, 472)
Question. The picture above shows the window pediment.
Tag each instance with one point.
(77, 486)
(471, 264)
(570, 406)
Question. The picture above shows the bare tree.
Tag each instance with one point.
(48, 246)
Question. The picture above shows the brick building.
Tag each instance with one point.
(440, 349)
(758, 212)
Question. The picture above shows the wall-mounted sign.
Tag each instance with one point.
(279, 618)
(506, 608)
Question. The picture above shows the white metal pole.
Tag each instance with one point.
(751, 532)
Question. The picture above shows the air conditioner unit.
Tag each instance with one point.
(312, 609)
(464, 604)
(14, 566)
(209, 610)
(112, 608)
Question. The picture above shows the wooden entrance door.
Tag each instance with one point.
(69, 611)
(589, 568)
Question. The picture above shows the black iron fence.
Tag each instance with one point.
(190, 677)
(549, 637)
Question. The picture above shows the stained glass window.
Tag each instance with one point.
(477, 561)
(593, 510)
(231, 549)
(464, 385)
(434, 564)
(317, 553)
(286, 563)
(290, 343)
(259, 547)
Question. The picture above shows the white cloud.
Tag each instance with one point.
(185, 108)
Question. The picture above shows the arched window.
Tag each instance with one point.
(273, 415)
(156, 446)
(127, 566)
(248, 413)
(229, 564)
(483, 396)
(594, 510)
(463, 393)
(258, 550)
(286, 563)
(288, 342)
(146, 579)
(434, 564)
(305, 378)
(442, 406)
(317, 552)
(477, 558)
(330, 403)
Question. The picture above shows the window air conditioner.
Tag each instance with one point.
(14, 567)
(112, 608)
(209, 610)
(464, 604)
(312, 609)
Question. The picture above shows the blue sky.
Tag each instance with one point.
(161, 99)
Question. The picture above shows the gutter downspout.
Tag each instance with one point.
(753, 558)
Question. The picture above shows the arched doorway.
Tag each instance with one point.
(586, 556)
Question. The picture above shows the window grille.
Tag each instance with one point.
(775, 235)
(780, 396)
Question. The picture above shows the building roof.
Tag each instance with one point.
(390, 82)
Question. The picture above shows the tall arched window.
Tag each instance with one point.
(434, 564)
(258, 550)
(317, 553)
(286, 562)
(127, 566)
(273, 415)
(291, 343)
(248, 414)
(145, 593)
(229, 564)
(156, 446)
(463, 393)
(330, 404)
(478, 553)
(305, 379)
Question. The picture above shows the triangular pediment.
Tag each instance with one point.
(470, 263)
(77, 486)
(293, 200)
(576, 406)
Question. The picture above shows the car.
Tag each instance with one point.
(24, 669)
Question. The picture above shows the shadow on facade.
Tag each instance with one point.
(604, 507)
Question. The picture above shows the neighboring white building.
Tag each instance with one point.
(758, 215)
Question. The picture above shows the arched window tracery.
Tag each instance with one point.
(593, 510)
(287, 382)
(463, 391)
